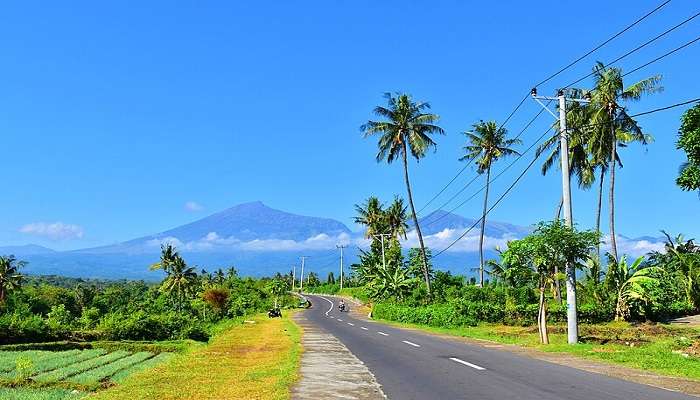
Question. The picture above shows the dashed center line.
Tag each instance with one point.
(351, 324)
(383, 334)
(340, 320)
(364, 328)
(468, 364)
(332, 316)
(410, 343)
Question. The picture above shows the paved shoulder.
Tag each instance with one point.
(330, 371)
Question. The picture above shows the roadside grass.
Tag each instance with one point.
(645, 347)
(244, 361)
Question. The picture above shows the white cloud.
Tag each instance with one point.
(633, 248)
(169, 240)
(53, 231)
(467, 244)
(193, 206)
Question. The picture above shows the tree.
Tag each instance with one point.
(689, 142)
(179, 281)
(486, 144)
(312, 279)
(395, 219)
(613, 126)
(629, 282)
(331, 278)
(406, 127)
(168, 255)
(216, 298)
(10, 278)
(682, 258)
(551, 244)
(371, 215)
(277, 288)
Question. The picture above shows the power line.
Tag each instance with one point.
(491, 181)
(522, 101)
(696, 100)
(571, 64)
(655, 110)
(662, 56)
(493, 206)
(476, 176)
(440, 217)
(444, 188)
(648, 42)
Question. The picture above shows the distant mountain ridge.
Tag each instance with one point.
(259, 240)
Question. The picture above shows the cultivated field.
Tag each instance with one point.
(39, 374)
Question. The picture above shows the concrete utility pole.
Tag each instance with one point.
(571, 316)
(294, 270)
(301, 280)
(381, 237)
(341, 247)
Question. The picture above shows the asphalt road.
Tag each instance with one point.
(412, 365)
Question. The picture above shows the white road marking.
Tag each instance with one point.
(364, 328)
(351, 324)
(468, 364)
(383, 334)
(339, 320)
(410, 343)
(331, 316)
(330, 308)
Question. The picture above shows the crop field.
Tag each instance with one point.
(39, 374)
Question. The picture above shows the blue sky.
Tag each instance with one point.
(114, 116)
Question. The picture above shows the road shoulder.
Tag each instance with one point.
(329, 370)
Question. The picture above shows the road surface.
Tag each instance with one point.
(414, 365)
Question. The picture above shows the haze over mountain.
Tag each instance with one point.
(260, 240)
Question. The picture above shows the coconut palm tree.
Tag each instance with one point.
(613, 127)
(168, 255)
(10, 278)
(179, 281)
(406, 127)
(486, 144)
(396, 218)
(371, 215)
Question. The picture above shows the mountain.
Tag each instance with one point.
(245, 222)
(26, 250)
(439, 220)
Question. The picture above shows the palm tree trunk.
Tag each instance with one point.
(426, 275)
(483, 227)
(598, 211)
(613, 160)
(542, 317)
(557, 284)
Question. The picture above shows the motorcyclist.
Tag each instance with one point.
(341, 306)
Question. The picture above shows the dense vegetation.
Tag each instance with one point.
(185, 305)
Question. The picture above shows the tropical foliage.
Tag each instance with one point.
(689, 142)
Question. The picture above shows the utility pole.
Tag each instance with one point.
(381, 237)
(294, 270)
(341, 247)
(571, 316)
(301, 280)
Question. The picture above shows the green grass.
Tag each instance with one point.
(60, 360)
(652, 348)
(8, 359)
(39, 394)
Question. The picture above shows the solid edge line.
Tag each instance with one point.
(468, 364)
(331, 307)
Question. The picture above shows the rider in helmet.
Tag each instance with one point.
(341, 306)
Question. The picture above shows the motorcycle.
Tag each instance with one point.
(342, 307)
(274, 313)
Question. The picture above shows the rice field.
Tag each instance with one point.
(58, 375)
